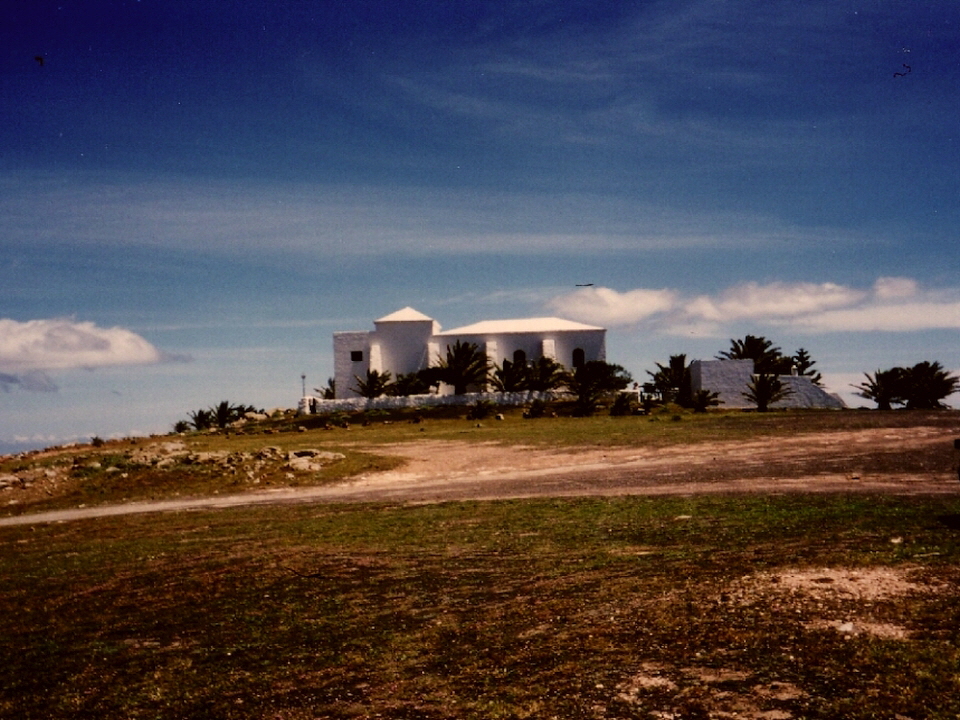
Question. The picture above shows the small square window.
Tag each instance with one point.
(356, 355)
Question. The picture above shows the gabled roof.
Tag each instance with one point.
(406, 314)
(520, 325)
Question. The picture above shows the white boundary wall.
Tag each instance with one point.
(310, 405)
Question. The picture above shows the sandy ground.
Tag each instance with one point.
(915, 460)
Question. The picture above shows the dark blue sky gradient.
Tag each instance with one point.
(213, 175)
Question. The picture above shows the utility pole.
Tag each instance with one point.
(303, 385)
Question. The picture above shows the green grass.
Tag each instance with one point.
(545, 608)
(366, 447)
(668, 426)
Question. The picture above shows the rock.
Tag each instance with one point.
(316, 454)
(310, 460)
(255, 416)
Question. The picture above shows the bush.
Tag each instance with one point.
(537, 409)
(480, 410)
(622, 405)
(705, 399)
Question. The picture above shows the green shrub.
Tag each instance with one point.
(622, 405)
(537, 409)
(480, 410)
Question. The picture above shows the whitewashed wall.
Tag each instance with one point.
(324, 407)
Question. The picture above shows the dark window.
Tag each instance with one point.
(356, 355)
(578, 357)
(519, 357)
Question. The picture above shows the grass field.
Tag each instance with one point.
(776, 607)
(573, 609)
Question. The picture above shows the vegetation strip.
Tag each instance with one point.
(802, 606)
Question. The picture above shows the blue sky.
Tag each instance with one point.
(195, 195)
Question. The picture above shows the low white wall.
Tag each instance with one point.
(412, 401)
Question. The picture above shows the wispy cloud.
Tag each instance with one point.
(273, 220)
(30, 350)
(892, 305)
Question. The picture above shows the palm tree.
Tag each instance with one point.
(223, 413)
(885, 388)
(510, 377)
(927, 384)
(703, 400)
(408, 384)
(201, 419)
(546, 374)
(465, 365)
(767, 359)
(593, 380)
(330, 391)
(764, 390)
(672, 381)
(376, 384)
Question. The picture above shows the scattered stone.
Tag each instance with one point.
(310, 460)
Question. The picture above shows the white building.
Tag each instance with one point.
(730, 378)
(408, 341)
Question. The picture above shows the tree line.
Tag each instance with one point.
(923, 386)
(672, 382)
(219, 416)
(920, 387)
(466, 367)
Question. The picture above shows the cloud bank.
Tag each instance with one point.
(893, 304)
(29, 350)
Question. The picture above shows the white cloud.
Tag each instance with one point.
(603, 306)
(887, 317)
(893, 305)
(887, 288)
(775, 300)
(28, 350)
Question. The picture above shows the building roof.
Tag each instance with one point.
(519, 325)
(406, 314)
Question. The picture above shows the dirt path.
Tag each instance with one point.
(915, 460)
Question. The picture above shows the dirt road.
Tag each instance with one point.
(915, 460)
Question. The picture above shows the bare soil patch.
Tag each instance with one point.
(903, 460)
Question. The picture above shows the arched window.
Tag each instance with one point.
(519, 358)
(578, 357)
